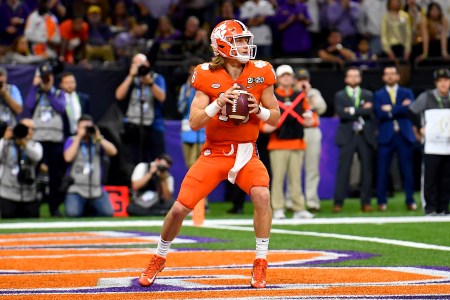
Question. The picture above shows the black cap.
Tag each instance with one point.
(302, 74)
(441, 73)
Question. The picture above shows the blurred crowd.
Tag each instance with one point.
(110, 32)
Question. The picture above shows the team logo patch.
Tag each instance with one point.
(215, 85)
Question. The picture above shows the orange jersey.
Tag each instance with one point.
(256, 76)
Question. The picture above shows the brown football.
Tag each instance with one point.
(238, 111)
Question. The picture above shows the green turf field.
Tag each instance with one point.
(386, 252)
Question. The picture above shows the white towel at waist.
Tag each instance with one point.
(243, 155)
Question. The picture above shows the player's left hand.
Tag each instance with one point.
(252, 104)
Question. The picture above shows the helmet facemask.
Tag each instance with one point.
(235, 51)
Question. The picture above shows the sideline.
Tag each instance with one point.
(342, 237)
(216, 222)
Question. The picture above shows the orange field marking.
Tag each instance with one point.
(80, 272)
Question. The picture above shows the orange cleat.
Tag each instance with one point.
(156, 265)
(259, 273)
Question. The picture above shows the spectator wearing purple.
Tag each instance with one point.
(364, 58)
(343, 15)
(167, 38)
(292, 21)
(13, 14)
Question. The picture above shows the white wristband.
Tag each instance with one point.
(351, 111)
(212, 109)
(264, 114)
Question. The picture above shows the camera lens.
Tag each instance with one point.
(143, 70)
(90, 129)
(20, 131)
(162, 168)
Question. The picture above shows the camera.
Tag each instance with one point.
(143, 70)
(50, 67)
(90, 130)
(162, 168)
(45, 70)
(20, 131)
(25, 175)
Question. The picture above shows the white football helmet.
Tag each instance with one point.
(223, 41)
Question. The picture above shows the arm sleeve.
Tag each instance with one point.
(415, 119)
(68, 142)
(171, 183)
(319, 103)
(16, 95)
(365, 112)
(161, 82)
(384, 35)
(270, 77)
(2, 145)
(182, 101)
(139, 171)
(34, 150)
(344, 116)
(30, 101)
(419, 105)
(57, 100)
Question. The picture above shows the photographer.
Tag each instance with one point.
(10, 101)
(84, 154)
(153, 187)
(19, 156)
(47, 107)
(144, 123)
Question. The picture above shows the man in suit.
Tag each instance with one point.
(395, 133)
(76, 103)
(356, 133)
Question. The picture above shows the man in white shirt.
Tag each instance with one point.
(153, 187)
(255, 13)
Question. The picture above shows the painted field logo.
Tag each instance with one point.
(105, 264)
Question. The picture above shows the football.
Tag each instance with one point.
(238, 111)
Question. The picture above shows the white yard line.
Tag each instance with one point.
(210, 222)
(234, 224)
(342, 237)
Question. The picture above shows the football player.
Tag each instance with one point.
(229, 151)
